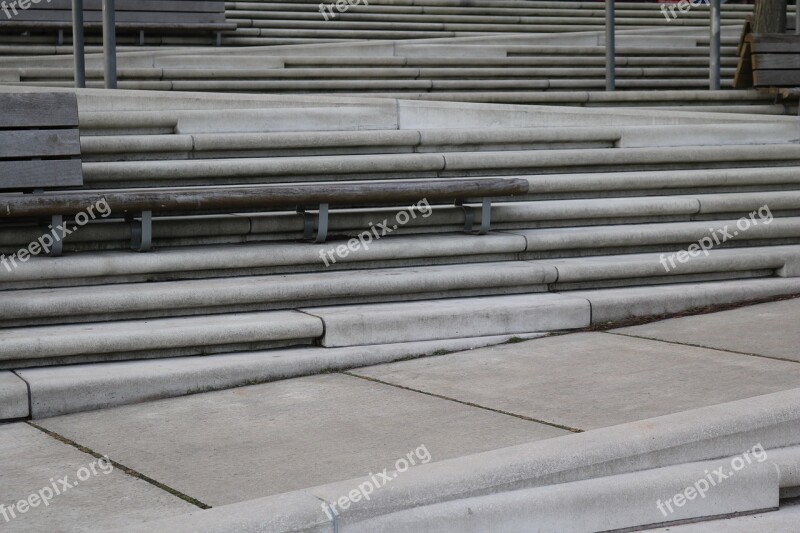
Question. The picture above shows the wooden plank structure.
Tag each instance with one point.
(769, 62)
(39, 141)
(138, 205)
(160, 16)
(40, 147)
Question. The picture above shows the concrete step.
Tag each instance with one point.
(170, 337)
(240, 294)
(225, 145)
(577, 241)
(463, 75)
(429, 165)
(221, 145)
(144, 339)
(64, 389)
(127, 301)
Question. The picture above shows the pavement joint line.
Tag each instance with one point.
(30, 395)
(470, 404)
(774, 358)
(129, 471)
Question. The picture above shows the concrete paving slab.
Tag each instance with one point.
(771, 330)
(30, 460)
(242, 444)
(591, 380)
(13, 397)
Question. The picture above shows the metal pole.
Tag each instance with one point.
(797, 17)
(77, 44)
(714, 45)
(110, 44)
(611, 52)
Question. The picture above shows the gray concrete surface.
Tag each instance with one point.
(152, 335)
(770, 329)
(60, 390)
(784, 520)
(13, 397)
(591, 380)
(29, 459)
(240, 444)
(696, 436)
(586, 506)
(612, 305)
(351, 325)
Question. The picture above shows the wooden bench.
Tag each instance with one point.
(132, 16)
(39, 144)
(769, 62)
(138, 206)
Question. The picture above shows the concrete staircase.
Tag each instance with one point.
(620, 183)
(614, 194)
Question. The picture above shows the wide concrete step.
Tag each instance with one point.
(65, 389)
(334, 326)
(317, 143)
(428, 165)
(221, 145)
(256, 293)
(730, 180)
(577, 241)
(143, 339)
(225, 295)
(462, 75)
(393, 88)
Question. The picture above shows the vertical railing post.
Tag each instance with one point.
(110, 44)
(714, 47)
(611, 48)
(78, 53)
(797, 17)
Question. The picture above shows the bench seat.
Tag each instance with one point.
(138, 206)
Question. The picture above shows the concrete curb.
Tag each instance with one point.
(69, 389)
(560, 468)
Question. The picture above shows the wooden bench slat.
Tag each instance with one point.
(213, 6)
(776, 61)
(121, 26)
(124, 16)
(774, 43)
(39, 143)
(233, 198)
(25, 175)
(38, 110)
(776, 78)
